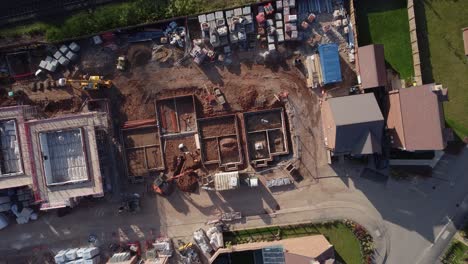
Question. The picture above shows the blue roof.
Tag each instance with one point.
(330, 63)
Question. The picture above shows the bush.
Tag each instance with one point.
(118, 15)
(455, 254)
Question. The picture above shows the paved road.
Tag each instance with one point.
(421, 216)
(408, 219)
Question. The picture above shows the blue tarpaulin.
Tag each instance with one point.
(330, 63)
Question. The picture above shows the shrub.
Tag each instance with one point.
(117, 15)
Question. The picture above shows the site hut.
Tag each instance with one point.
(330, 63)
(353, 125)
(415, 120)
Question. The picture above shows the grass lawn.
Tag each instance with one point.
(340, 236)
(456, 254)
(345, 243)
(444, 60)
(386, 22)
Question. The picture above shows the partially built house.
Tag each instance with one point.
(66, 161)
(142, 148)
(57, 157)
(15, 168)
(266, 136)
(220, 142)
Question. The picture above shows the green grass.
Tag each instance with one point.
(386, 22)
(346, 245)
(441, 42)
(456, 254)
(116, 15)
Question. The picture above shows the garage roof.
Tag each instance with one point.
(372, 70)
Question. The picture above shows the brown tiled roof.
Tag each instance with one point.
(372, 66)
(394, 120)
(353, 124)
(465, 40)
(421, 124)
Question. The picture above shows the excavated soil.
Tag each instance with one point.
(139, 54)
(229, 150)
(218, 127)
(98, 61)
(188, 183)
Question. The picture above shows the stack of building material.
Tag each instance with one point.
(216, 237)
(202, 241)
(278, 182)
(23, 216)
(163, 247)
(240, 22)
(175, 34)
(5, 203)
(279, 27)
(226, 180)
(62, 56)
(78, 256)
(123, 258)
(290, 20)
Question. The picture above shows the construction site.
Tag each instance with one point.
(217, 102)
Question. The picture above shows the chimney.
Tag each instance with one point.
(442, 93)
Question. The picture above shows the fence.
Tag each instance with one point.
(414, 43)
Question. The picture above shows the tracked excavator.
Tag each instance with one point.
(92, 83)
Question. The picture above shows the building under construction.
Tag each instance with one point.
(57, 157)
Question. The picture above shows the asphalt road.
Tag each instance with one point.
(421, 216)
(412, 221)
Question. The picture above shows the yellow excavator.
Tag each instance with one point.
(93, 82)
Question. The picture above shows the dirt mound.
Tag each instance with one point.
(248, 100)
(161, 54)
(228, 145)
(188, 182)
(139, 55)
(228, 148)
(98, 61)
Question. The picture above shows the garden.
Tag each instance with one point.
(443, 60)
(352, 243)
(386, 22)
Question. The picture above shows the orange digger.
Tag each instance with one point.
(165, 187)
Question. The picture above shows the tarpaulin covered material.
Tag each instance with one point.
(330, 63)
(226, 180)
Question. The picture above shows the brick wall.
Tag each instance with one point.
(414, 43)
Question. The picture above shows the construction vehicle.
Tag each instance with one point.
(164, 187)
(220, 96)
(92, 83)
(122, 63)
